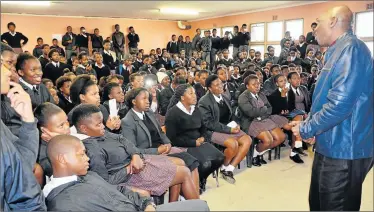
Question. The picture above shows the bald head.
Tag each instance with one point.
(332, 24)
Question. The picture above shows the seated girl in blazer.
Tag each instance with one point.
(256, 117)
(280, 101)
(140, 126)
(111, 91)
(217, 112)
(185, 128)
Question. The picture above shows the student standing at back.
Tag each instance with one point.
(38, 51)
(118, 39)
(82, 40)
(97, 41)
(196, 39)
(172, 46)
(107, 56)
(68, 40)
(13, 38)
(59, 49)
(54, 69)
(133, 40)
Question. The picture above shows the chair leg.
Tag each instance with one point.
(249, 157)
(217, 182)
(279, 153)
(269, 155)
(159, 200)
(239, 166)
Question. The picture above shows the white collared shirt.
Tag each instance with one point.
(27, 84)
(56, 182)
(280, 90)
(255, 95)
(294, 90)
(102, 65)
(234, 77)
(84, 35)
(12, 33)
(71, 36)
(218, 99)
(56, 64)
(140, 115)
(182, 108)
(301, 44)
(107, 52)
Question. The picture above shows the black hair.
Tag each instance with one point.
(132, 94)
(210, 79)
(247, 73)
(179, 80)
(243, 25)
(111, 77)
(132, 76)
(21, 60)
(221, 68)
(131, 27)
(202, 72)
(318, 52)
(50, 53)
(11, 24)
(61, 80)
(304, 74)
(116, 25)
(68, 27)
(79, 86)
(44, 45)
(179, 92)
(314, 24)
(142, 73)
(45, 111)
(106, 41)
(73, 54)
(82, 28)
(291, 65)
(293, 49)
(285, 40)
(214, 29)
(251, 64)
(274, 66)
(236, 27)
(284, 66)
(289, 76)
(54, 39)
(82, 112)
(107, 89)
(39, 38)
(5, 47)
(45, 80)
(197, 29)
(249, 78)
(277, 77)
(81, 55)
(173, 35)
(253, 50)
(269, 47)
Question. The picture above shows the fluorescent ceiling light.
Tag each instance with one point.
(31, 3)
(178, 11)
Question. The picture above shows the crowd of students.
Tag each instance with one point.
(117, 129)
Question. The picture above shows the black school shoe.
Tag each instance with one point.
(256, 161)
(261, 158)
(202, 186)
(299, 151)
(228, 176)
(296, 158)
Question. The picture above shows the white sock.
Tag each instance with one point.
(292, 154)
(255, 153)
(263, 152)
(223, 167)
(298, 144)
(230, 168)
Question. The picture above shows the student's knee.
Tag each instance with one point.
(231, 144)
(245, 141)
(267, 141)
(298, 118)
(177, 161)
(279, 136)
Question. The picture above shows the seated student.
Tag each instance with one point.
(167, 93)
(260, 76)
(164, 62)
(304, 77)
(84, 66)
(136, 81)
(30, 70)
(242, 61)
(53, 92)
(138, 62)
(226, 60)
(313, 76)
(54, 69)
(204, 65)
(47, 82)
(107, 55)
(125, 69)
(185, 128)
(120, 162)
(63, 87)
(269, 84)
(93, 191)
(52, 121)
(257, 60)
(291, 67)
(111, 91)
(44, 59)
(200, 87)
(236, 76)
(100, 68)
(292, 58)
(196, 58)
(38, 51)
(163, 80)
(19, 189)
(309, 60)
(256, 118)
(141, 127)
(229, 88)
(60, 50)
(84, 90)
(242, 87)
(216, 112)
(279, 101)
(147, 67)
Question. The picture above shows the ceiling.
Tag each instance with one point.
(146, 9)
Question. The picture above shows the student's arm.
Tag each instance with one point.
(4, 37)
(137, 39)
(98, 159)
(247, 108)
(164, 102)
(24, 38)
(309, 37)
(140, 202)
(209, 121)
(65, 40)
(171, 125)
(34, 53)
(168, 47)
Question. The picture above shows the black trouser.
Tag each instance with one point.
(336, 184)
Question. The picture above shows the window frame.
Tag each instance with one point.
(285, 29)
(365, 39)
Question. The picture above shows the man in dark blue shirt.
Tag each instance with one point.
(341, 117)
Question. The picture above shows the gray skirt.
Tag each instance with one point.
(274, 121)
(220, 138)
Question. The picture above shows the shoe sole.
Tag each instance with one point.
(228, 179)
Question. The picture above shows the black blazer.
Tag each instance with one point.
(278, 103)
(248, 111)
(165, 97)
(109, 61)
(137, 132)
(40, 97)
(291, 99)
(64, 104)
(200, 91)
(125, 73)
(137, 65)
(53, 73)
(149, 70)
(232, 90)
(210, 113)
(161, 63)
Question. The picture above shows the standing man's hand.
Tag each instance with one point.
(295, 127)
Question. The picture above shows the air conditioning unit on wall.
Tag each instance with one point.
(182, 26)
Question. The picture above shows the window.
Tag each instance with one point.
(370, 46)
(229, 29)
(364, 24)
(219, 34)
(275, 31)
(257, 32)
(202, 32)
(260, 48)
(295, 27)
(277, 50)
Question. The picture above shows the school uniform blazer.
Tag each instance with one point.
(248, 110)
(165, 97)
(137, 132)
(291, 99)
(200, 91)
(210, 113)
(279, 103)
(151, 70)
(43, 95)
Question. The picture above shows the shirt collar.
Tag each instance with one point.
(140, 115)
(234, 77)
(295, 89)
(218, 99)
(107, 52)
(13, 34)
(254, 95)
(102, 65)
(56, 64)
(27, 84)
(56, 182)
(182, 108)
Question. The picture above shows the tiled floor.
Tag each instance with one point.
(279, 185)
